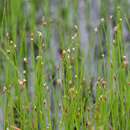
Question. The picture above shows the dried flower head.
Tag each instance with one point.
(22, 83)
(15, 128)
(102, 82)
(61, 53)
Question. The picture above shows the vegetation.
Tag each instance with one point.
(64, 65)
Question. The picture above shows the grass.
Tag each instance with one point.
(47, 82)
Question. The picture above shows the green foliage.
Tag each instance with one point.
(39, 91)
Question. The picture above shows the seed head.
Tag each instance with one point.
(43, 45)
(47, 88)
(11, 42)
(120, 19)
(118, 7)
(110, 17)
(15, 46)
(96, 29)
(73, 49)
(76, 76)
(125, 62)
(102, 55)
(70, 82)
(24, 72)
(59, 81)
(114, 77)
(39, 33)
(7, 35)
(8, 51)
(7, 128)
(68, 56)
(15, 128)
(72, 93)
(64, 52)
(124, 58)
(38, 57)
(44, 84)
(74, 36)
(128, 83)
(76, 27)
(114, 41)
(44, 22)
(102, 20)
(60, 106)
(115, 28)
(44, 102)
(22, 83)
(32, 36)
(68, 50)
(25, 60)
(4, 89)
